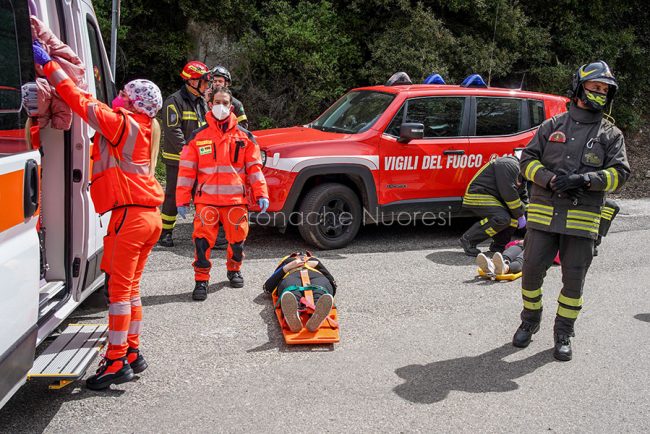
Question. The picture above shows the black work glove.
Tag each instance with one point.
(568, 182)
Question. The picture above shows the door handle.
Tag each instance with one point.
(30, 188)
(453, 152)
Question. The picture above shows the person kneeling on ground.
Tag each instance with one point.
(293, 275)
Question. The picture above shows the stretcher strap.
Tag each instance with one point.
(308, 299)
(304, 277)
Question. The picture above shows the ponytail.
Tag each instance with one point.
(155, 145)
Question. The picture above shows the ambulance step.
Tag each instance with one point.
(48, 292)
(68, 357)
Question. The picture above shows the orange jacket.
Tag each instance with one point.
(222, 163)
(121, 148)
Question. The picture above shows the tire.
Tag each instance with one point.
(331, 216)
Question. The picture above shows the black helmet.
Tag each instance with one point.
(595, 71)
(399, 78)
(220, 71)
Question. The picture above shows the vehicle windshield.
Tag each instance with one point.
(354, 113)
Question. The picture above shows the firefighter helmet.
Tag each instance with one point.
(194, 70)
(220, 71)
(594, 71)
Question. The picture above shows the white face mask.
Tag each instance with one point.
(220, 111)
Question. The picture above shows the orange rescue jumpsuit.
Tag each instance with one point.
(222, 158)
(123, 183)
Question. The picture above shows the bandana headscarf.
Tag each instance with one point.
(145, 96)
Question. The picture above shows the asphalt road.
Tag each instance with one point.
(425, 347)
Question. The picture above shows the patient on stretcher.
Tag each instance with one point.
(294, 275)
(508, 262)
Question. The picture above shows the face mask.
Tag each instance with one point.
(118, 102)
(220, 111)
(594, 100)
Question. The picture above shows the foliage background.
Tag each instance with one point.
(291, 59)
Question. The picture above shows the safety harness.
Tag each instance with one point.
(307, 292)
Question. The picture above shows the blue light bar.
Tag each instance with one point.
(434, 79)
(473, 80)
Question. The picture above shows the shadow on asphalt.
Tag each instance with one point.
(182, 297)
(451, 257)
(485, 373)
(269, 243)
(44, 404)
(645, 317)
(276, 339)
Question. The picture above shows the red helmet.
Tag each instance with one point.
(194, 70)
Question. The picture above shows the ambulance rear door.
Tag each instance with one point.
(19, 204)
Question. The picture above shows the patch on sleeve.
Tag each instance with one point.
(558, 137)
(172, 116)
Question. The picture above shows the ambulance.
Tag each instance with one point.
(393, 154)
(50, 235)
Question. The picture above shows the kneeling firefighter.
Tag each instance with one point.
(293, 275)
(125, 151)
(222, 159)
(573, 161)
(495, 194)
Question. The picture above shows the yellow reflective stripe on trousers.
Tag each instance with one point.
(491, 232)
(169, 156)
(514, 223)
(574, 302)
(531, 294)
(169, 218)
(567, 313)
(482, 222)
(532, 306)
(169, 225)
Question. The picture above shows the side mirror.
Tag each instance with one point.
(410, 131)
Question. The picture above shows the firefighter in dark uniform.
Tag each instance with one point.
(574, 160)
(495, 194)
(183, 112)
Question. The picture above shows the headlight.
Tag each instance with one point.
(263, 153)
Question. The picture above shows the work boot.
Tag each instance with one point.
(563, 351)
(469, 248)
(236, 279)
(500, 265)
(200, 292)
(323, 308)
(110, 372)
(166, 240)
(136, 361)
(289, 306)
(524, 334)
(595, 250)
(485, 264)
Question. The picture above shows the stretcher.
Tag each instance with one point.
(501, 277)
(327, 333)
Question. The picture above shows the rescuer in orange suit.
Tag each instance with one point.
(125, 151)
(221, 158)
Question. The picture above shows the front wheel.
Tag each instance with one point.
(331, 216)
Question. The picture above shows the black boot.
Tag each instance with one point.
(236, 279)
(563, 351)
(110, 372)
(200, 292)
(469, 248)
(136, 361)
(166, 239)
(524, 334)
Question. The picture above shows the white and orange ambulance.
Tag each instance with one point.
(50, 235)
